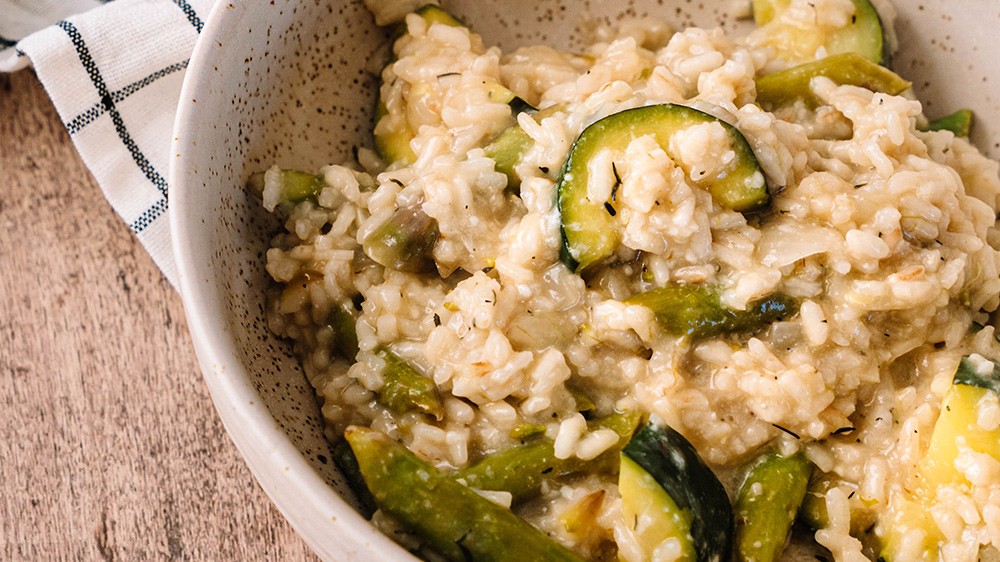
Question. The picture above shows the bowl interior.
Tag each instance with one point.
(294, 84)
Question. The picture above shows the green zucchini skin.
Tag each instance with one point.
(673, 462)
(967, 374)
(589, 229)
(865, 34)
(767, 504)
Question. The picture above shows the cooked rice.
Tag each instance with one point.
(886, 236)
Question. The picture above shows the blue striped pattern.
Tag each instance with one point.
(191, 15)
(149, 215)
(107, 104)
(116, 118)
(98, 109)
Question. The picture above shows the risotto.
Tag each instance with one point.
(673, 296)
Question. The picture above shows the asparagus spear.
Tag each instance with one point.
(455, 521)
(787, 86)
(959, 123)
(697, 311)
(405, 389)
(767, 504)
(522, 470)
(405, 242)
(345, 460)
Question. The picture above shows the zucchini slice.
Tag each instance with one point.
(669, 493)
(863, 34)
(590, 230)
(767, 503)
(976, 380)
(696, 311)
(788, 86)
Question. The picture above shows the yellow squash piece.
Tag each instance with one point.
(650, 512)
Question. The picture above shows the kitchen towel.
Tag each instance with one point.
(114, 71)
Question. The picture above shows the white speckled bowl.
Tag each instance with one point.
(293, 83)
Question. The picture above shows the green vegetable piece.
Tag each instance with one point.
(590, 230)
(522, 469)
(765, 10)
(957, 425)
(580, 518)
(405, 389)
(977, 379)
(959, 123)
(523, 430)
(583, 402)
(455, 521)
(695, 310)
(345, 335)
(788, 86)
(651, 514)
(296, 186)
(405, 242)
(692, 487)
(968, 374)
(393, 145)
(432, 13)
(766, 505)
(507, 150)
(509, 147)
(812, 512)
(345, 460)
(864, 34)
(499, 93)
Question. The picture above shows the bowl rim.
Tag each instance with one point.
(304, 498)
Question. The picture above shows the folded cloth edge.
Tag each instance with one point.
(118, 98)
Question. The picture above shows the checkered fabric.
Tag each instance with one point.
(114, 72)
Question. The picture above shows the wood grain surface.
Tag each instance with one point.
(109, 445)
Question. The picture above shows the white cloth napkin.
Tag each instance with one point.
(114, 73)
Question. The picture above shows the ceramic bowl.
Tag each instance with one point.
(293, 83)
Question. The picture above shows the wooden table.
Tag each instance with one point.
(109, 445)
